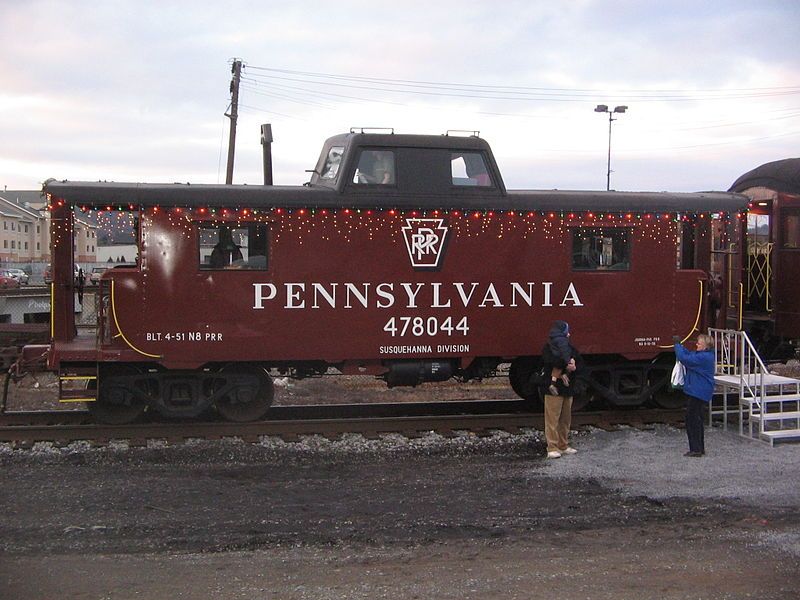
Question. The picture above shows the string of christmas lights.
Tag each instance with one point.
(344, 223)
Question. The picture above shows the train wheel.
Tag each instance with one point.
(251, 397)
(668, 398)
(116, 403)
(582, 400)
(519, 376)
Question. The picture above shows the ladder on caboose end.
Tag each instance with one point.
(77, 384)
(768, 404)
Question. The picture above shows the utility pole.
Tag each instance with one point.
(603, 108)
(236, 69)
(266, 143)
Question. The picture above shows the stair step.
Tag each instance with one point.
(784, 433)
(74, 384)
(777, 416)
(773, 400)
(782, 398)
(76, 396)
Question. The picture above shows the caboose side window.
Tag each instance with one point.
(791, 230)
(469, 169)
(331, 168)
(375, 167)
(601, 249)
(233, 246)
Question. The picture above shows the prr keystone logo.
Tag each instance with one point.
(425, 242)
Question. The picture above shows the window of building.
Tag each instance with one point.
(26, 245)
(38, 229)
(375, 167)
(601, 249)
(469, 169)
(13, 226)
(233, 246)
(26, 229)
(38, 246)
(5, 225)
(5, 243)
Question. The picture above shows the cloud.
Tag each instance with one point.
(137, 90)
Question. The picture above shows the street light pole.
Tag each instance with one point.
(602, 108)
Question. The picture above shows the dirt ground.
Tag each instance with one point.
(628, 517)
(470, 517)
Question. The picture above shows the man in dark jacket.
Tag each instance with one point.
(558, 406)
(698, 387)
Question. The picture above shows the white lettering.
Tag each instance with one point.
(424, 241)
(547, 285)
(434, 295)
(388, 296)
(517, 288)
(572, 296)
(293, 297)
(491, 296)
(319, 290)
(412, 295)
(460, 288)
(405, 349)
(452, 348)
(258, 302)
(436, 301)
(362, 298)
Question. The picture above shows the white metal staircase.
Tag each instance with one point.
(768, 404)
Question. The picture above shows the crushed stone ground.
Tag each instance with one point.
(468, 517)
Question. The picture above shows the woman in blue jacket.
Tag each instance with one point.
(698, 387)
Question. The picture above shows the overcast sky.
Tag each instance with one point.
(137, 90)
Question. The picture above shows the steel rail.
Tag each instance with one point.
(331, 428)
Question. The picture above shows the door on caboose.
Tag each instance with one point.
(725, 273)
(787, 266)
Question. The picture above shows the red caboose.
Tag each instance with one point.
(404, 257)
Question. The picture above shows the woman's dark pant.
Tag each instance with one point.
(695, 417)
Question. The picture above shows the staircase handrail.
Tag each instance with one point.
(747, 364)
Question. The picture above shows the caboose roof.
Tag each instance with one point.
(101, 194)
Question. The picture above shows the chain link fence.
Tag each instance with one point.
(29, 305)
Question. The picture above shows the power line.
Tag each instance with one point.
(490, 92)
(506, 87)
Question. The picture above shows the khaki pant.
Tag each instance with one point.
(557, 421)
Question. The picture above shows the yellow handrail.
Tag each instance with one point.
(697, 319)
(122, 335)
(52, 312)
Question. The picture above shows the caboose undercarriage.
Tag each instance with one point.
(119, 393)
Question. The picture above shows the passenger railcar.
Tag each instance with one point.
(770, 285)
(403, 257)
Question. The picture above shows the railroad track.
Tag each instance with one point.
(291, 423)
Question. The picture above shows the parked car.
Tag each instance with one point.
(7, 281)
(48, 274)
(19, 275)
(94, 276)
